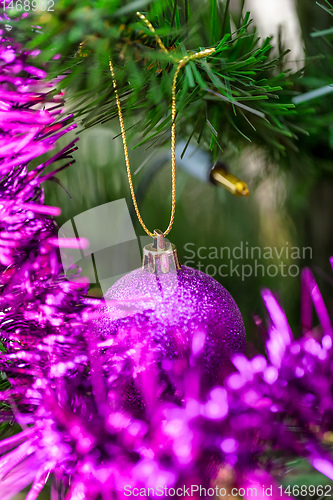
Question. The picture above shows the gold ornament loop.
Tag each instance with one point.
(181, 64)
(152, 29)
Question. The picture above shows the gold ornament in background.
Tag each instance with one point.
(220, 175)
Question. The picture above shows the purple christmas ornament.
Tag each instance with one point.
(174, 314)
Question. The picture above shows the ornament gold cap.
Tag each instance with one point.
(160, 256)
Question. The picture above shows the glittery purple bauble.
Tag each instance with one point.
(167, 318)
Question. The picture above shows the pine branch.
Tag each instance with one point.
(241, 94)
(233, 96)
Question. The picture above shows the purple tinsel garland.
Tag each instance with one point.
(226, 436)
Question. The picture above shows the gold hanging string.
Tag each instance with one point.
(152, 29)
(181, 64)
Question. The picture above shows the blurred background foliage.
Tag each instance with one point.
(237, 105)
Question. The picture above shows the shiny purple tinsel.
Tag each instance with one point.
(76, 430)
(41, 313)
